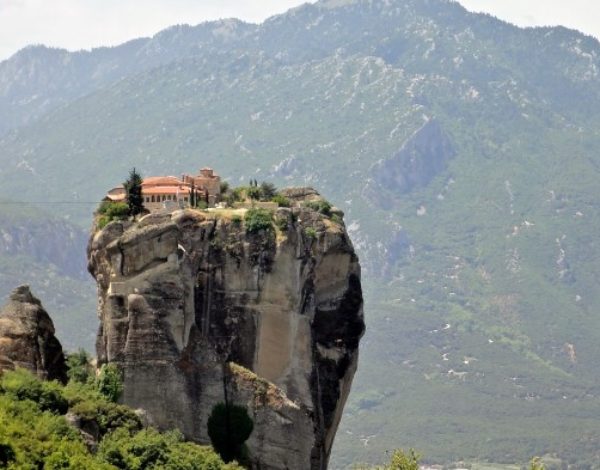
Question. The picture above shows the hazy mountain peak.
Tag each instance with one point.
(337, 3)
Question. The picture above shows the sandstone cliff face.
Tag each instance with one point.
(197, 311)
(27, 338)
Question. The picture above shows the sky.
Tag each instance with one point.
(83, 24)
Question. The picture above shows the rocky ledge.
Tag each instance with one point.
(199, 308)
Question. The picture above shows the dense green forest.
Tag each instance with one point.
(37, 431)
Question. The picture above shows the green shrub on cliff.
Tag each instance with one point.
(109, 211)
(253, 193)
(310, 233)
(22, 385)
(282, 223)
(31, 434)
(258, 219)
(322, 206)
(281, 200)
(149, 449)
(109, 382)
(237, 195)
(114, 209)
(267, 191)
(86, 402)
(34, 432)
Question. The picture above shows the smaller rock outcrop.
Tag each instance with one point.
(27, 338)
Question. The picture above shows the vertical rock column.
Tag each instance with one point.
(197, 311)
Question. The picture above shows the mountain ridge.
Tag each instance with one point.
(182, 41)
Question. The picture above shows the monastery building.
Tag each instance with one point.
(171, 192)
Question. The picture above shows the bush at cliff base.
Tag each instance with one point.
(109, 382)
(79, 365)
(229, 426)
(34, 432)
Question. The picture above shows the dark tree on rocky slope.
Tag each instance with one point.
(229, 426)
(133, 187)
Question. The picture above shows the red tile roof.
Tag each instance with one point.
(161, 181)
(182, 190)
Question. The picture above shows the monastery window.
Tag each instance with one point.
(164, 198)
(152, 198)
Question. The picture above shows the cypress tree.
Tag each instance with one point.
(193, 196)
(133, 189)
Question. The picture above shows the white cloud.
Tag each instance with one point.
(583, 15)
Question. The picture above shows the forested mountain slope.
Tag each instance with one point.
(48, 252)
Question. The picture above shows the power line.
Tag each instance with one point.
(6, 203)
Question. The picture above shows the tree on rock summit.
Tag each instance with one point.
(133, 188)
